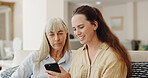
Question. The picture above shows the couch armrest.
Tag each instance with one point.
(19, 56)
(139, 56)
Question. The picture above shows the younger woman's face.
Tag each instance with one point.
(57, 39)
(83, 29)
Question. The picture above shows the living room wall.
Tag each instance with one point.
(127, 13)
(122, 9)
(18, 32)
(142, 22)
(134, 19)
(35, 17)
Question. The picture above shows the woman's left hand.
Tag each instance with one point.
(63, 74)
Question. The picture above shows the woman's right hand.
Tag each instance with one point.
(63, 74)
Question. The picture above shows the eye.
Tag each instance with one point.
(51, 34)
(81, 27)
(60, 33)
(74, 29)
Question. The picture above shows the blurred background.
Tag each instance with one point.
(24, 20)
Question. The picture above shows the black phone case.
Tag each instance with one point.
(53, 67)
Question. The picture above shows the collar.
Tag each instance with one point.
(102, 46)
(64, 59)
(84, 47)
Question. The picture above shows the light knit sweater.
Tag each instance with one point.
(105, 64)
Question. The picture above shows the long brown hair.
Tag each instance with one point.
(104, 33)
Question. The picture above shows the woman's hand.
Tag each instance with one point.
(63, 74)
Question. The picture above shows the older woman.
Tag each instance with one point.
(55, 48)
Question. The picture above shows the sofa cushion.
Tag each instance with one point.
(139, 56)
(139, 70)
(19, 56)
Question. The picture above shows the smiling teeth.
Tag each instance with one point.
(80, 37)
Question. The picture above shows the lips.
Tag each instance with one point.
(81, 38)
(57, 44)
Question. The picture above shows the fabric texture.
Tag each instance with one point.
(105, 64)
(139, 70)
(29, 66)
(8, 72)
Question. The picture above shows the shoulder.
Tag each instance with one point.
(33, 55)
(112, 56)
(113, 60)
(69, 53)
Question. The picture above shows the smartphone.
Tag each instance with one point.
(53, 67)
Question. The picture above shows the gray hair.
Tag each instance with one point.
(53, 24)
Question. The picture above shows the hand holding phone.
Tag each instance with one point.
(53, 67)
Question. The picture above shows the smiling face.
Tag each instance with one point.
(83, 29)
(57, 39)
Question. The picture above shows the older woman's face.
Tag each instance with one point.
(57, 39)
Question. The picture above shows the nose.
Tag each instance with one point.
(56, 37)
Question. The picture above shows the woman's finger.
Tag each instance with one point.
(62, 70)
(69, 75)
(50, 76)
(51, 73)
(64, 73)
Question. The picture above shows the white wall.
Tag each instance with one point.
(130, 25)
(142, 19)
(127, 11)
(71, 8)
(55, 8)
(116, 11)
(18, 19)
(35, 16)
(66, 12)
(134, 20)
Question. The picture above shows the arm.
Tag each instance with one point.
(25, 69)
(115, 69)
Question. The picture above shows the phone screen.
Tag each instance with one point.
(53, 67)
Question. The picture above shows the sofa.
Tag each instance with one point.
(19, 56)
(139, 63)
